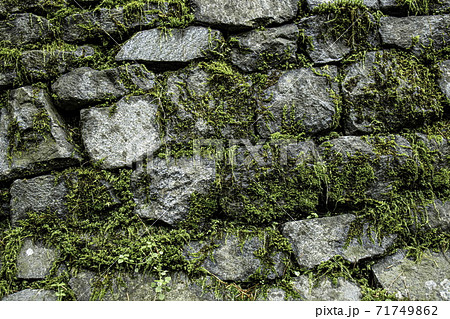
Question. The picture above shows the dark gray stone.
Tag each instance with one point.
(292, 106)
(82, 285)
(238, 15)
(32, 295)
(235, 259)
(324, 48)
(371, 106)
(85, 86)
(172, 183)
(121, 135)
(444, 81)
(39, 194)
(8, 76)
(327, 237)
(426, 280)
(268, 48)
(415, 32)
(24, 28)
(438, 215)
(35, 260)
(179, 47)
(312, 4)
(32, 136)
(326, 290)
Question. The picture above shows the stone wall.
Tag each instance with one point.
(224, 150)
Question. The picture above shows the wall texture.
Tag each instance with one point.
(224, 150)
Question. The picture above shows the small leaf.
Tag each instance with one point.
(161, 297)
(158, 289)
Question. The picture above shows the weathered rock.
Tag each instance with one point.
(388, 91)
(180, 47)
(323, 49)
(41, 64)
(235, 259)
(85, 86)
(327, 237)
(8, 75)
(121, 135)
(293, 108)
(137, 287)
(444, 81)
(326, 290)
(34, 260)
(428, 279)
(39, 194)
(32, 137)
(171, 183)
(373, 4)
(7, 6)
(415, 32)
(25, 28)
(362, 166)
(32, 295)
(238, 15)
(269, 48)
(438, 215)
(274, 294)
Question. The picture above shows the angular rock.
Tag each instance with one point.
(41, 64)
(361, 167)
(32, 136)
(426, 280)
(269, 48)
(372, 4)
(238, 15)
(438, 215)
(326, 290)
(121, 135)
(35, 260)
(180, 47)
(39, 194)
(327, 237)
(235, 259)
(25, 28)
(415, 32)
(85, 86)
(444, 81)
(32, 295)
(388, 91)
(292, 107)
(171, 183)
(323, 49)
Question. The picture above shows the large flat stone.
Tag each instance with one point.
(179, 47)
(235, 14)
(426, 280)
(24, 28)
(121, 136)
(312, 4)
(32, 295)
(35, 260)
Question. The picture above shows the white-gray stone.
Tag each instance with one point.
(312, 4)
(444, 80)
(39, 194)
(428, 279)
(326, 290)
(235, 14)
(32, 295)
(180, 46)
(121, 136)
(35, 260)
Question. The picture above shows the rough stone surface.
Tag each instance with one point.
(181, 47)
(430, 30)
(326, 237)
(25, 146)
(24, 28)
(122, 136)
(82, 285)
(373, 4)
(324, 49)
(234, 14)
(291, 96)
(85, 86)
(444, 81)
(267, 48)
(235, 260)
(39, 194)
(32, 295)
(34, 260)
(172, 183)
(325, 290)
(438, 215)
(369, 108)
(429, 279)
